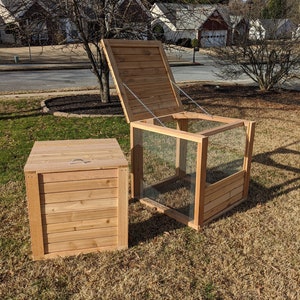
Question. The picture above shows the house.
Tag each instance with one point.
(239, 29)
(42, 22)
(7, 27)
(34, 22)
(271, 29)
(210, 24)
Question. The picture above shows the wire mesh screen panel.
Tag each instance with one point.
(225, 155)
(161, 182)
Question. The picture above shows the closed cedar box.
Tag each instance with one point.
(77, 193)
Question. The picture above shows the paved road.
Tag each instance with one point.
(82, 78)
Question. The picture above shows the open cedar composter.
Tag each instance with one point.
(191, 166)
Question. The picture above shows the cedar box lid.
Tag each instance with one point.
(71, 155)
(140, 70)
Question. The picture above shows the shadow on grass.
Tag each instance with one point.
(155, 226)
(21, 114)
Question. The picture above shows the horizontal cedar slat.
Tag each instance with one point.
(222, 206)
(81, 225)
(100, 243)
(212, 188)
(142, 66)
(78, 147)
(223, 191)
(79, 215)
(125, 57)
(80, 235)
(147, 73)
(151, 80)
(79, 195)
(223, 198)
(135, 51)
(55, 187)
(145, 91)
(77, 175)
(69, 206)
(71, 156)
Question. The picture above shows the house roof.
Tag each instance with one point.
(133, 10)
(188, 16)
(12, 10)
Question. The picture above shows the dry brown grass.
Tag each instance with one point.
(253, 252)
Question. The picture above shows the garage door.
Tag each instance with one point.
(213, 38)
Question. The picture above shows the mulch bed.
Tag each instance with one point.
(204, 94)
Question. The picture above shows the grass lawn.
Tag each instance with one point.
(253, 252)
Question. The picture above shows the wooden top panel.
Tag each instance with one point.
(68, 155)
(140, 70)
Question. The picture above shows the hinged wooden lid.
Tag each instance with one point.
(140, 70)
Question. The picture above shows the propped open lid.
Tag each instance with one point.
(142, 77)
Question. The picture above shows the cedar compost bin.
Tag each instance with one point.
(191, 166)
(77, 193)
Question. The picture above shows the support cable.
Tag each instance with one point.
(144, 105)
(185, 94)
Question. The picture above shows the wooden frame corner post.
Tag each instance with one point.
(123, 208)
(248, 156)
(136, 148)
(35, 219)
(202, 149)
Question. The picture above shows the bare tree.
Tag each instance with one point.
(270, 54)
(97, 19)
(88, 21)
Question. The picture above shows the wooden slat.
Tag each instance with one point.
(222, 128)
(79, 215)
(70, 206)
(201, 116)
(126, 74)
(80, 235)
(137, 80)
(79, 195)
(138, 57)
(81, 225)
(99, 243)
(223, 198)
(145, 90)
(225, 190)
(55, 187)
(223, 206)
(168, 131)
(228, 181)
(142, 66)
(77, 175)
(144, 51)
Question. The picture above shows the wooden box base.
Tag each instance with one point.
(77, 194)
